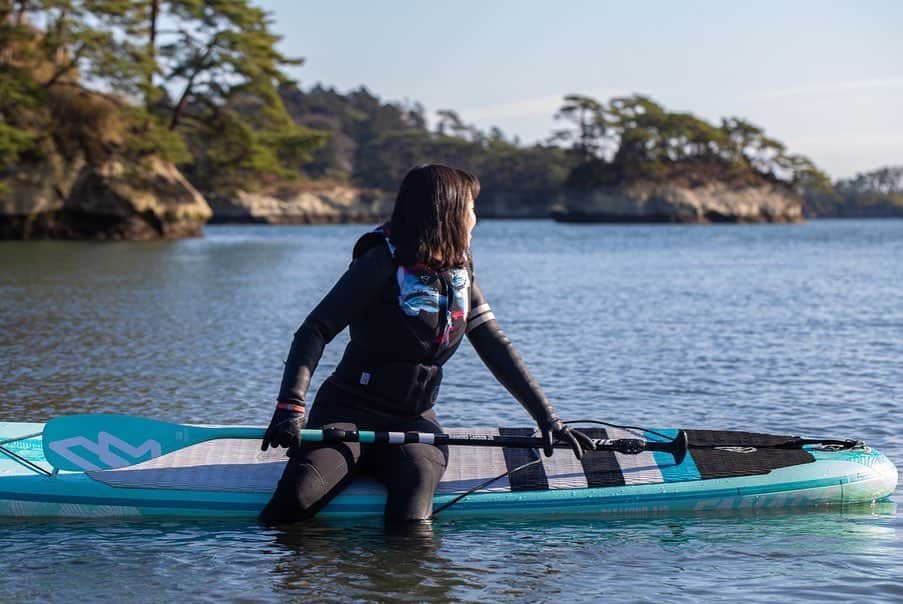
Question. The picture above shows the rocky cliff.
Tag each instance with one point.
(324, 203)
(650, 202)
(113, 199)
(305, 203)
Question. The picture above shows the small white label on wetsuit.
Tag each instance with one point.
(365, 378)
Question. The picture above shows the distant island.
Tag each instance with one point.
(113, 126)
(639, 162)
(875, 194)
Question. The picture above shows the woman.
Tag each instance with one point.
(409, 297)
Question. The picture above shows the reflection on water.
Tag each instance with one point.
(790, 329)
(753, 556)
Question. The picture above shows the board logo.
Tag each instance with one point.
(746, 450)
(107, 453)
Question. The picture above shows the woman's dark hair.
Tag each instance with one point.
(429, 222)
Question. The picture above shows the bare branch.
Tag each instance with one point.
(69, 66)
(180, 106)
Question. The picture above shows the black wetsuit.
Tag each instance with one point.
(405, 323)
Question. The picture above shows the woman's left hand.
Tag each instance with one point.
(557, 431)
(284, 428)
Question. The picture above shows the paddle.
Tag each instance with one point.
(106, 441)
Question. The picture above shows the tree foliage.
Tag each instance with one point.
(202, 83)
(373, 144)
(884, 181)
(634, 138)
(878, 193)
(589, 134)
(198, 76)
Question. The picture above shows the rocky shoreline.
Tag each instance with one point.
(305, 203)
(319, 203)
(657, 203)
(153, 200)
(112, 200)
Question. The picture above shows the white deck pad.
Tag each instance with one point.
(637, 469)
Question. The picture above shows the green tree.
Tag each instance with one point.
(589, 126)
(207, 78)
(633, 138)
(78, 43)
(70, 54)
(223, 67)
(18, 91)
(883, 181)
(875, 194)
(50, 80)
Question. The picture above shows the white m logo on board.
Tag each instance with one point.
(103, 449)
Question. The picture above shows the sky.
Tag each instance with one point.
(824, 77)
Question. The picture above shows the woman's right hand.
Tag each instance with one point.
(557, 431)
(285, 428)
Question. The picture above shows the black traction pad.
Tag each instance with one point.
(742, 453)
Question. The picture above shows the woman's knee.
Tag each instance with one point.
(312, 478)
(412, 485)
(297, 497)
(427, 459)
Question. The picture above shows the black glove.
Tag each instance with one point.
(556, 431)
(285, 428)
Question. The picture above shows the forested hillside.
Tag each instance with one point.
(201, 85)
(876, 194)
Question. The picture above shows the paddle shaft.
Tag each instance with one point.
(105, 441)
(622, 445)
(631, 446)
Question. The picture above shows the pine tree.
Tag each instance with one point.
(218, 73)
(183, 75)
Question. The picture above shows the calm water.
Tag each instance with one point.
(792, 329)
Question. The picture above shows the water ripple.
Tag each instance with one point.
(789, 329)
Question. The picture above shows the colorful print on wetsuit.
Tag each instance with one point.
(445, 294)
(421, 291)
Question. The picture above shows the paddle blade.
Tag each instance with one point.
(106, 441)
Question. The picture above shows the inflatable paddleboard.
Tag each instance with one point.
(723, 470)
